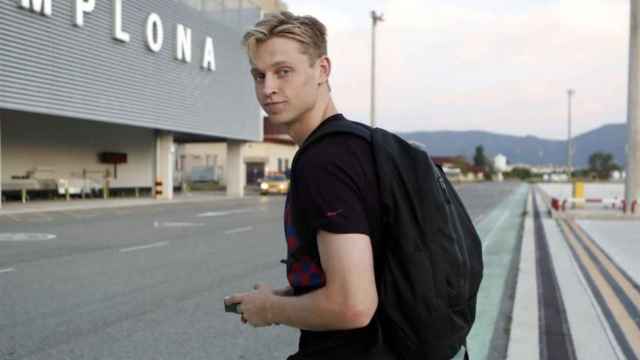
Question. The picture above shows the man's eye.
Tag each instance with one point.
(258, 77)
(283, 72)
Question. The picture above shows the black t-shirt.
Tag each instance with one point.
(334, 188)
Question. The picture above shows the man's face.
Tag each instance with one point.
(286, 84)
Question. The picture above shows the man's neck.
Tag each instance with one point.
(301, 129)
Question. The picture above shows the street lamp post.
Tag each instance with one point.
(570, 93)
(375, 18)
(632, 183)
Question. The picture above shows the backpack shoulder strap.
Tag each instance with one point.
(339, 126)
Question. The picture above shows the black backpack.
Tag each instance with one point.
(431, 253)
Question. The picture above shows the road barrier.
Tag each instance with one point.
(573, 203)
(158, 189)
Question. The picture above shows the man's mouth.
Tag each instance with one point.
(273, 105)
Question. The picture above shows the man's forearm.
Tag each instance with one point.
(316, 311)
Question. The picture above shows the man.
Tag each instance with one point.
(332, 210)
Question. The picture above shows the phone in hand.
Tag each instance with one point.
(231, 308)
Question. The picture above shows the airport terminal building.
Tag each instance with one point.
(100, 92)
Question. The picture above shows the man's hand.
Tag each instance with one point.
(255, 306)
(286, 291)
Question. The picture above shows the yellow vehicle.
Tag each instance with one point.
(274, 184)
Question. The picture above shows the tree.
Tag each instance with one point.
(479, 159)
(520, 173)
(602, 164)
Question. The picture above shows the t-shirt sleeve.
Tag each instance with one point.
(331, 184)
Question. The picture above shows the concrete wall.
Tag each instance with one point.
(272, 152)
(68, 146)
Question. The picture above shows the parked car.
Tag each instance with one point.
(274, 184)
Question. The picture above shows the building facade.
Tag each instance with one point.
(104, 91)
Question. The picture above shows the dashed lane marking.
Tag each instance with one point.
(11, 237)
(14, 218)
(144, 247)
(228, 212)
(158, 224)
(239, 230)
(42, 218)
(7, 270)
(81, 216)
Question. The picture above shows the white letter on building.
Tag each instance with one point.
(118, 34)
(81, 7)
(154, 38)
(39, 6)
(183, 43)
(209, 58)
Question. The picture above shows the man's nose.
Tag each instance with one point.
(269, 86)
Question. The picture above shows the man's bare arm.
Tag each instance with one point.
(349, 298)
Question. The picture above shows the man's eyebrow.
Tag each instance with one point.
(274, 65)
(279, 63)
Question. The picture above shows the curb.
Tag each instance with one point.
(111, 204)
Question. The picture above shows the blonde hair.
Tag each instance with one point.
(310, 33)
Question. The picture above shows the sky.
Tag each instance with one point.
(495, 65)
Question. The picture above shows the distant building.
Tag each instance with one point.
(458, 169)
(199, 162)
(500, 166)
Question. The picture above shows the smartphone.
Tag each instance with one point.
(232, 308)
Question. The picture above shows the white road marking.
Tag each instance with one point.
(25, 237)
(40, 218)
(14, 218)
(489, 236)
(239, 230)
(7, 270)
(158, 224)
(228, 212)
(143, 247)
(81, 216)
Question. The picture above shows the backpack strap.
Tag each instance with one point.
(339, 126)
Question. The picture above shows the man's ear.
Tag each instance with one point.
(324, 65)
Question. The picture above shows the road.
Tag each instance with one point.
(148, 282)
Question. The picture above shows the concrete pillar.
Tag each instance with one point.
(164, 164)
(632, 188)
(1, 159)
(235, 174)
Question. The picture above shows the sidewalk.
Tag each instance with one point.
(9, 208)
(577, 291)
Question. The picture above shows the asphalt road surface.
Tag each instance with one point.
(149, 282)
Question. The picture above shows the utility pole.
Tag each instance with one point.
(570, 93)
(375, 18)
(632, 184)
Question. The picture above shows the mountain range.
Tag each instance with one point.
(530, 150)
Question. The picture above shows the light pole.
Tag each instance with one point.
(632, 183)
(570, 93)
(375, 18)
